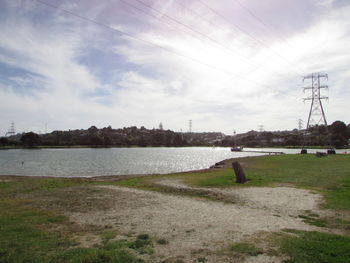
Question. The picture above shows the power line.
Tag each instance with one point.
(169, 24)
(247, 33)
(216, 28)
(132, 36)
(145, 41)
(250, 12)
(199, 15)
(202, 34)
(153, 16)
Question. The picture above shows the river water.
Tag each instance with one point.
(86, 162)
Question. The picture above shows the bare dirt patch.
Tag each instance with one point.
(280, 200)
(196, 229)
(5, 180)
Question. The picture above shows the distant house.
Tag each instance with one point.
(278, 140)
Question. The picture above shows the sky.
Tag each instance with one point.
(229, 65)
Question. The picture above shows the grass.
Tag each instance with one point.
(315, 247)
(31, 234)
(329, 175)
(328, 222)
(32, 184)
(245, 249)
(26, 235)
(311, 220)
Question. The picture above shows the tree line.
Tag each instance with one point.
(337, 134)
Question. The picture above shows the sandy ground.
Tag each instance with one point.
(197, 228)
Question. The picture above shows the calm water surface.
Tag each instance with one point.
(114, 161)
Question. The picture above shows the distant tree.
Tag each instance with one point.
(339, 133)
(158, 138)
(133, 131)
(30, 139)
(168, 140)
(93, 130)
(96, 140)
(339, 127)
(142, 142)
(178, 141)
(4, 141)
(228, 141)
(107, 140)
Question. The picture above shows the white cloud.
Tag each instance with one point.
(152, 85)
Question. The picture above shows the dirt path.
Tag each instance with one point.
(196, 228)
(280, 200)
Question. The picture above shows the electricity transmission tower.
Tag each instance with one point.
(316, 114)
(11, 130)
(300, 124)
(190, 126)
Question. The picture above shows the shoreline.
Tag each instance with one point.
(162, 146)
(226, 164)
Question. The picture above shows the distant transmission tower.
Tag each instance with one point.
(316, 114)
(261, 128)
(190, 126)
(300, 124)
(11, 130)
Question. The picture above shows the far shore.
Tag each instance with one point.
(157, 146)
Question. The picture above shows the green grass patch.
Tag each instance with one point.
(329, 222)
(141, 241)
(32, 184)
(314, 221)
(96, 255)
(162, 241)
(315, 247)
(245, 249)
(329, 176)
(31, 234)
(25, 236)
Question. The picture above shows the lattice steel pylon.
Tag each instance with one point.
(11, 130)
(316, 114)
(300, 124)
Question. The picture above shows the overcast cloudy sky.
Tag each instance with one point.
(227, 65)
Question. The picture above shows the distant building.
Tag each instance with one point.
(278, 140)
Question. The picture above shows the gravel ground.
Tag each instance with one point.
(195, 228)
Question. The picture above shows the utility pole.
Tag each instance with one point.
(316, 113)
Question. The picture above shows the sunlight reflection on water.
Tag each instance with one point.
(114, 161)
